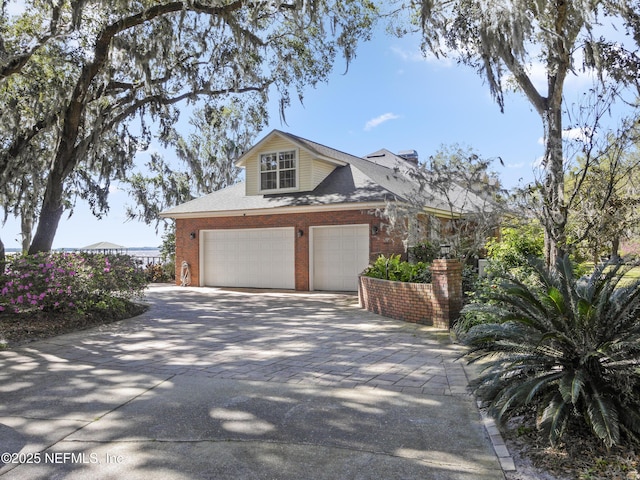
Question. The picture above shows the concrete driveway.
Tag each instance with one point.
(223, 384)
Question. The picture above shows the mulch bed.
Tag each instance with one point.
(20, 328)
(579, 456)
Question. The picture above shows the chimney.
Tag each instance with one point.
(409, 155)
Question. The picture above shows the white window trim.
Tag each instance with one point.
(279, 190)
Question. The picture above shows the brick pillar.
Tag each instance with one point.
(446, 278)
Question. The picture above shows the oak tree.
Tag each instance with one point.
(504, 40)
(86, 84)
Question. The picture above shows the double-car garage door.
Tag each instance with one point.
(265, 257)
(255, 257)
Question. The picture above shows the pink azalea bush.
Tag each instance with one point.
(62, 281)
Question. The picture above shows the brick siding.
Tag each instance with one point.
(188, 249)
(437, 303)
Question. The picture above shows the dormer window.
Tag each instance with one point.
(278, 171)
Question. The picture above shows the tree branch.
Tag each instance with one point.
(523, 80)
(23, 140)
(132, 109)
(65, 161)
(17, 62)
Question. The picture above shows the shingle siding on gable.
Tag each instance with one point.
(306, 175)
(305, 161)
(251, 176)
(320, 171)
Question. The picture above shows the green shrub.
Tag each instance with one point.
(425, 252)
(114, 305)
(568, 348)
(509, 255)
(113, 275)
(469, 280)
(479, 293)
(516, 246)
(160, 273)
(393, 268)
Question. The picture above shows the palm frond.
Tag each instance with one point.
(569, 347)
(571, 386)
(554, 417)
(630, 422)
(603, 418)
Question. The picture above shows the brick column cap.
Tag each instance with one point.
(444, 264)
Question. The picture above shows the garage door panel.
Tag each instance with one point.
(340, 254)
(259, 258)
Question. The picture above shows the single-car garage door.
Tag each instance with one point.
(256, 257)
(338, 255)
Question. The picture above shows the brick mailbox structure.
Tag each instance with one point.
(437, 303)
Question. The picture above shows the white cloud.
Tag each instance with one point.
(515, 165)
(150, 149)
(538, 75)
(418, 56)
(577, 134)
(374, 122)
(408, 56)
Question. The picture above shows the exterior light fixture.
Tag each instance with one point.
(192, 235)
(300, 232)
(374, 230)
(445, 250)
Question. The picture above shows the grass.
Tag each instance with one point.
(631, 275)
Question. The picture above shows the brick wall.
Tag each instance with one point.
(437, 303)
(188, 249)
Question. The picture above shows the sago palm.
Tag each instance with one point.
(568, 347)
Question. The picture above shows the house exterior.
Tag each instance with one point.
(305, 218)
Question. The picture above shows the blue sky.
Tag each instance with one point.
(391, 97)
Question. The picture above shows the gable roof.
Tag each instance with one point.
(368, 182)
(345, 186)
(318, 150)
(103, 246)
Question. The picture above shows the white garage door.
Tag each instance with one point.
(257, 257)
(339, 254)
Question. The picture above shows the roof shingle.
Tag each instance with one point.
(377, 178)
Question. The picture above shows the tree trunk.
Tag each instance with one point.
(47, 227)
(3, 258)
(615, 248)
(65, 161)
(50, 214)
(554, 205)
(26, 227)
(555, 211)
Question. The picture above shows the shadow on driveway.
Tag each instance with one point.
(223, 384)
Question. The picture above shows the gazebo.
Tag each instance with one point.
(104, 247)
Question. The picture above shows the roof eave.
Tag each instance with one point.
(302, 209)
(276, 210)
